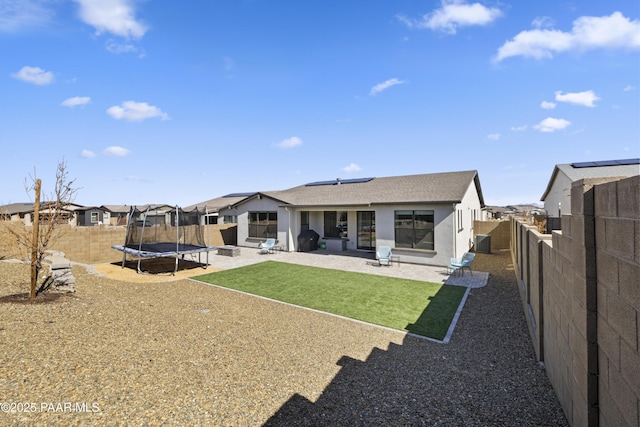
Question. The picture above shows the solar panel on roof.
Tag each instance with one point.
(239, 194)
(313, 184)
(339, 181)
(605, 163)
(355, 180)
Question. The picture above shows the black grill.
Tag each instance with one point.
(308, 241)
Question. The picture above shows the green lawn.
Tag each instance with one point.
(419, 307)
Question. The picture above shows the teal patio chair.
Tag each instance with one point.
(459, 264)
(383, 255)
(267, 246)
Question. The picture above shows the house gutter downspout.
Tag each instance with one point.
(286, 208)
(455, 228)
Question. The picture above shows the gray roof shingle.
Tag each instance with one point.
(447, 187)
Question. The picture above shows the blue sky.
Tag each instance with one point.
(179, 102)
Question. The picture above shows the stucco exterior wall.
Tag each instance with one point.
(559, 196)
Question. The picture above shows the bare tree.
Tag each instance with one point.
(45, 231)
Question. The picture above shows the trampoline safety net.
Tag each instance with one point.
(163, 229)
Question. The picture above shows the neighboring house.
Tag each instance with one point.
(91, 216)
(557, 196)
(118, 214)
(212, 208)
(425, 218)
(24, 212)
(17, 212)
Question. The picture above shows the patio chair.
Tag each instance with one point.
(383, 255)
(459, 264)
(267, 246)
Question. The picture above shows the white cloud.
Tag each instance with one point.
(494, 136)
(548, 105)
(16, 15)
(294, 141)
(551, 124)
(519, 128)
(87, 154)
(75, 101)
(35, 75)
(586, 98)
(116, 151)
(588, 32)
(629, 88)
(112, 16)
(118, 48)
(133, 111)
(542, 22)
(351, 168)
(454, 14)
(385, 85)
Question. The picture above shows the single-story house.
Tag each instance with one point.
(212, 208)
(426, 218)
(557, 196)
(90, 216)
(24, 212)
(118, 214)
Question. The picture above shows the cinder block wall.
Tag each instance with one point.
(92, 245)
(532, 286)
(499, 231)
(587, 328)
(617, 224)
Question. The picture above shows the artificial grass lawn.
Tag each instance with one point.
(422, 308)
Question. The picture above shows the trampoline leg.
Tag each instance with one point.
(176, 269)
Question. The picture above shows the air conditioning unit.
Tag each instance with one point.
(483, 243)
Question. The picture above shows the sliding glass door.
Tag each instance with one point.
(366, 230)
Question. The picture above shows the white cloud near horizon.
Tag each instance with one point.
(351, 168)
(75, 101)
(519, 128)
(453, 14)
(34, 75)
(385, 85)
(133, 111)
(494, 136)
(87, 154)
(586, 98)
(116, 151)
(551, 124)
(294, 141)
(629, 88)
(112, 16)
(548, 105)
(587, 33)
(16, 15)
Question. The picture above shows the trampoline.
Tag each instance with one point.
(161, 231)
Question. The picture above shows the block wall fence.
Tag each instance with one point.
(580, 289)
(92, 245)
(499, 231)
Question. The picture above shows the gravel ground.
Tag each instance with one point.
(182, 353)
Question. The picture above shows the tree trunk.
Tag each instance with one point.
(34, 241)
